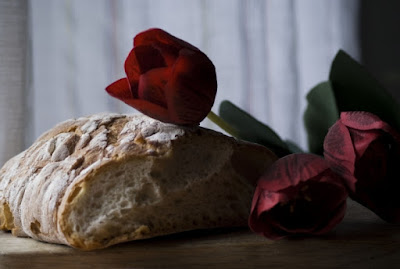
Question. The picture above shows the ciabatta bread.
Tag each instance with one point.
(109, 178)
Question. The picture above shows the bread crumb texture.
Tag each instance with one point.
(100, 180)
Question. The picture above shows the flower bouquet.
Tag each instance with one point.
(351, 121)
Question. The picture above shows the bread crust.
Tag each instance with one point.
(42, 188)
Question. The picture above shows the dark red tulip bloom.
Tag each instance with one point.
(366, 152)
(167, 79)
(299, 194)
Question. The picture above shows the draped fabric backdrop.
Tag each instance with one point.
(13, 77)
(268, 54)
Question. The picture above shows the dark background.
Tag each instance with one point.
(380, 41)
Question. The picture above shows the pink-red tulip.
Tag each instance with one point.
(366, 152)
(299, 194)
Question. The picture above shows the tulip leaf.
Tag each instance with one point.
(356, 90)
(321, 113)
(250, 129)
(293, 147)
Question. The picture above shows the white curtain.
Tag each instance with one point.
(13, 77)
(267, 53)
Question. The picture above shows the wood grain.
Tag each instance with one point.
(361, 241)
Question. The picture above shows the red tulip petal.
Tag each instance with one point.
(120, 89)
(191, 91)
(371, 170)
(263, 201)
(198, 72)
(263, 225)
(169, 53)
(168, 45)
(378, 179)
(148, 58)
(362, 139)
(290, 170)
(151, 86)
(149, 109)
(367, 128)
(317, 215)
(140, 60)
(132, 71)
(268, 200)
(340, 153)
(374, 179)
(156, 36)
(361, 120)
(275, 226)
(334, 217)
(308, 198)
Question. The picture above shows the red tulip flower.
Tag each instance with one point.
(167, 79)
(366, 152)
(299, 194)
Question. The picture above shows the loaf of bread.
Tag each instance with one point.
(108, 178)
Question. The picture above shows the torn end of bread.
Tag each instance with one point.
(106, 179)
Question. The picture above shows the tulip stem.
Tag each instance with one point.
(222, 124)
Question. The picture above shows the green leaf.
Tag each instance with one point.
(293, 147)
(249, 129)
(321, 113)
(356, 90)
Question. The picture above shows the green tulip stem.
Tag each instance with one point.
(222, 124)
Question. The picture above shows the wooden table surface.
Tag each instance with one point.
(361, 241)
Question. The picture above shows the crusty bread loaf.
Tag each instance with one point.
(109, 178)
